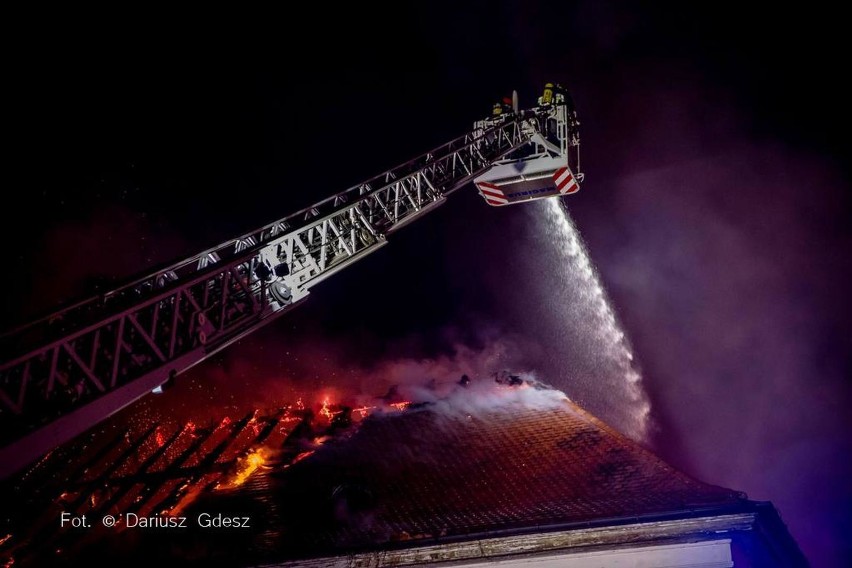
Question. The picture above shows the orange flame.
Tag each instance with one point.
(254, 424)
(248, 465)
(400, 405)
(325, 411)
(160, 439)
(363, 411)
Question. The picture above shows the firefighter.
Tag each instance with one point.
(560, 95)
(502, 108)
(564, 97)
(555, 93)
(547, 97)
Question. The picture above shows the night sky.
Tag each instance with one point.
(716, 203)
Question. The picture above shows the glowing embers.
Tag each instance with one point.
(163, 468)
(335, 413)
(159, 438)
(319, 423)
(361, 412)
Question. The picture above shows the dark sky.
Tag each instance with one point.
(716, 203)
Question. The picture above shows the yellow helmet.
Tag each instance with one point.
(547, 96)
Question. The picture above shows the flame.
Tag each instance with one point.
(363, 410)
(159, 438)
(255, 425)
(247, 466)
(5, 538)
(325, 411)
(299, 404)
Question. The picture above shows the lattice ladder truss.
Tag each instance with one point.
(66, 372)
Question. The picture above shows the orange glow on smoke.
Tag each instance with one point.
(302, 456)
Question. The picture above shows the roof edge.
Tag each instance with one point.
(708, 523)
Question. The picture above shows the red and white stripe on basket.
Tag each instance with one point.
(492, 194)
(565, 181)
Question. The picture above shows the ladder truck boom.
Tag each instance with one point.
(64, 373)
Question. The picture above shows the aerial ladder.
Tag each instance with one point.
(66, 372)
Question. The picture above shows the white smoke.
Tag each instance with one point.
(486, 396)
(427, 379)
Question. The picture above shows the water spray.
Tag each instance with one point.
(583, 302)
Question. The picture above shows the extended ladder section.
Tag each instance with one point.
(66, 372)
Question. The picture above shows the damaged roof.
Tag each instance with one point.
(425, 475)
(477, 463)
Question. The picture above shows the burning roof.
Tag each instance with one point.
(459, 467)
(483, 459)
